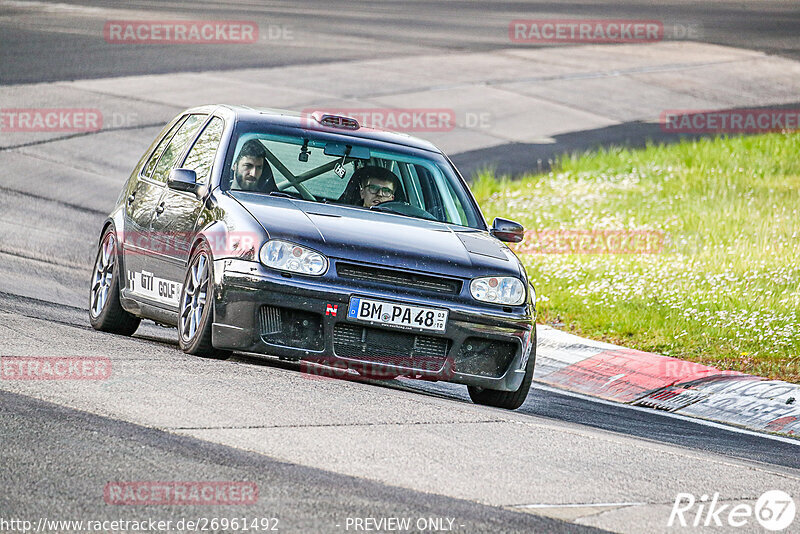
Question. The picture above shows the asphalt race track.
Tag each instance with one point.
(323, 453)
(59, 44)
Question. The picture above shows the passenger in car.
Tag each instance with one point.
(251, 172)
(377, 184)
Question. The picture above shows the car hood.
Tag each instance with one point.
(356, 234)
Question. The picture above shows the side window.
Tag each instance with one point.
(151, 163)
(201, 157)
(176, 146)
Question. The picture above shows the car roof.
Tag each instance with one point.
(294, 119)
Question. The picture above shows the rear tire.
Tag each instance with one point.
(196, 307)
(509, 400)
(105, 310)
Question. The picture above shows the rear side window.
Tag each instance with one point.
(151, 163)
(176, 146)
(201, 157)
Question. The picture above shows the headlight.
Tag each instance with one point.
(505, 290)
(291, 257)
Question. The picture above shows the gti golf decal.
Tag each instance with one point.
(145, 284)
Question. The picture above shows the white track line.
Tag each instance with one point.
(579, 505)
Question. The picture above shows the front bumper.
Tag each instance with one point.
(302, 318)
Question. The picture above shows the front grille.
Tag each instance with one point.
(401, 349)
(398, 278)
(485, 357)
(291, 328)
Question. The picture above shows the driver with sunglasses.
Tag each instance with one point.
(378, 185)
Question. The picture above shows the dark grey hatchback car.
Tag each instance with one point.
(312, 238)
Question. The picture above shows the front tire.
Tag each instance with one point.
(196, 307)
(105, 310)
(509, 400)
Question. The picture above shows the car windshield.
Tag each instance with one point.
(319, 170)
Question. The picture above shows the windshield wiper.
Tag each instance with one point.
(404, 209)
(281, 194)
(388, 209)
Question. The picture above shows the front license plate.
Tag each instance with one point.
(393, 314)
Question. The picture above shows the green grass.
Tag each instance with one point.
(725, 288)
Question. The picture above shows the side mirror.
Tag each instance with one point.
(508, 231)
(183, 180)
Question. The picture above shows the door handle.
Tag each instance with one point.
(160, 209)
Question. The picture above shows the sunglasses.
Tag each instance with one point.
(380, 191)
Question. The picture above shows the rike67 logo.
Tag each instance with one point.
(774, 511)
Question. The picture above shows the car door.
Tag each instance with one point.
(139, 208)
(175, 223)
(144, 278)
